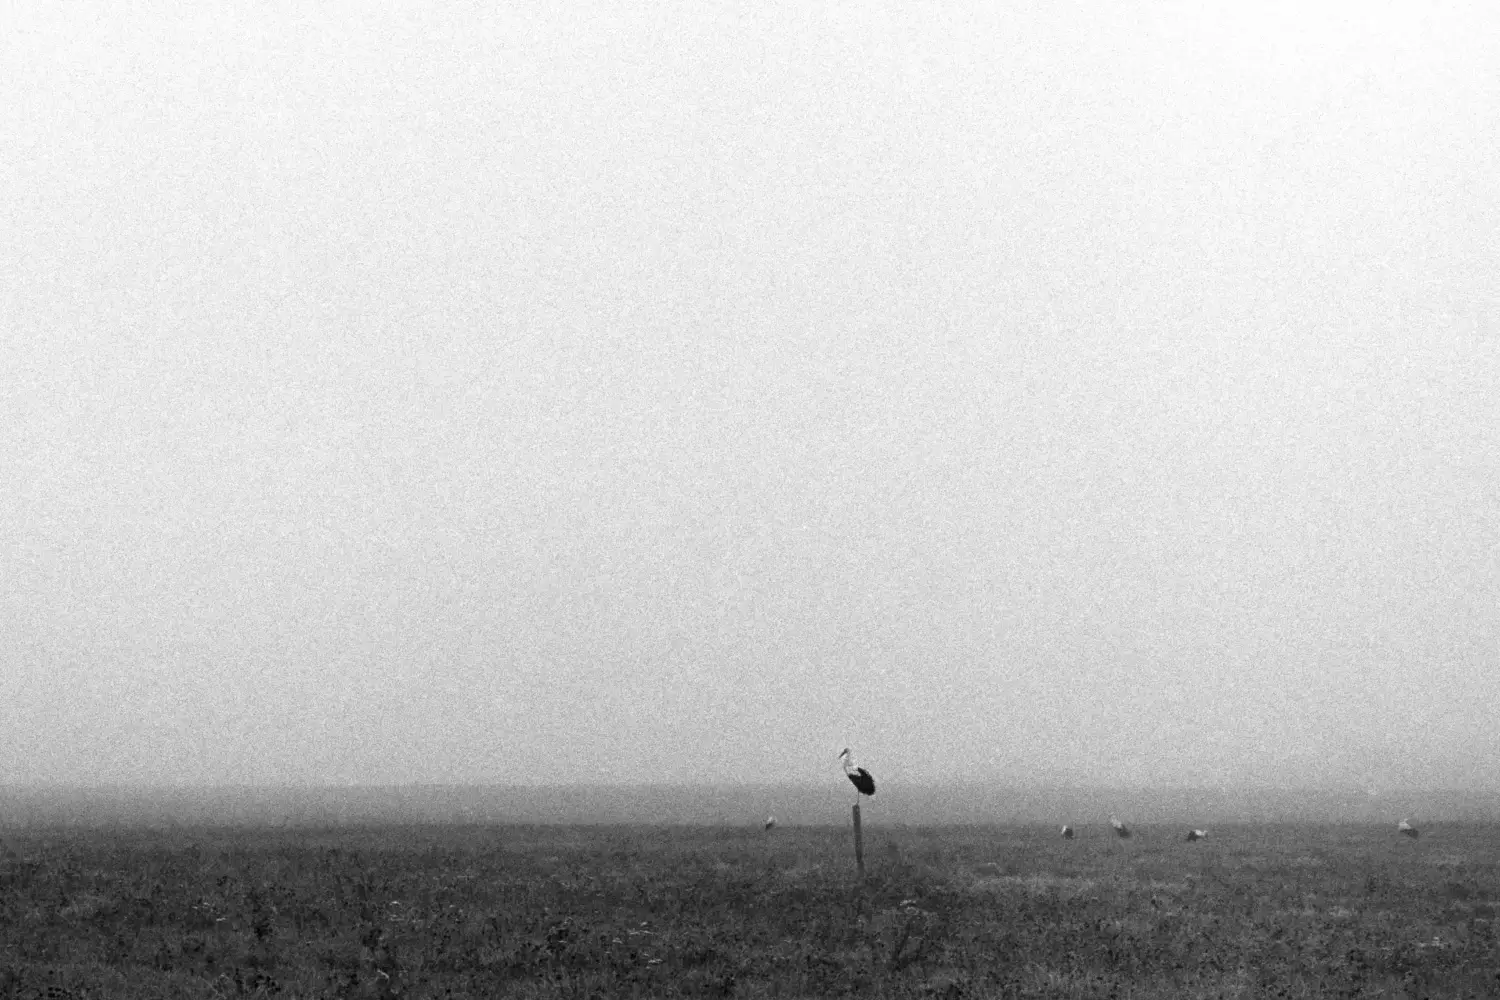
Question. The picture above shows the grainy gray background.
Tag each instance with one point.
(1100, 393)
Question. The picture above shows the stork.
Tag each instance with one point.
(1407, 830)
(1067, 832)
(1121, 830)
(863, 783)
(1196, 835)
(770, 822)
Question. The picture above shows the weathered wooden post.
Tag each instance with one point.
(859, 845)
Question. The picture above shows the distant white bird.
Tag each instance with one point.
(770, 822)
(1406, 829)
(1067, 832)
(1121, 830)
(1196, 835)
(863, 783)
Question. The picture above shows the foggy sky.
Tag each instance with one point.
(668, 392)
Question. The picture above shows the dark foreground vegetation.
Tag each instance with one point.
(635, 911)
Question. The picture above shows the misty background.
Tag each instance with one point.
(1097, 395)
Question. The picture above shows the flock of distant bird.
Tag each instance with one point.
(864, 784)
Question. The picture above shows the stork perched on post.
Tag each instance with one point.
(1193, 835)
(863, 783)
(1121, 830)
(1407, 830)
(1067, 832)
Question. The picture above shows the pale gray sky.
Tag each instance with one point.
(657, 392)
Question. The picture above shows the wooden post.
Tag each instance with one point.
(859, 845)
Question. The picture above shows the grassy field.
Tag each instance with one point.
(637, 911)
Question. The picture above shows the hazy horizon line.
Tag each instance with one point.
(1219, 787)
(921, 804)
